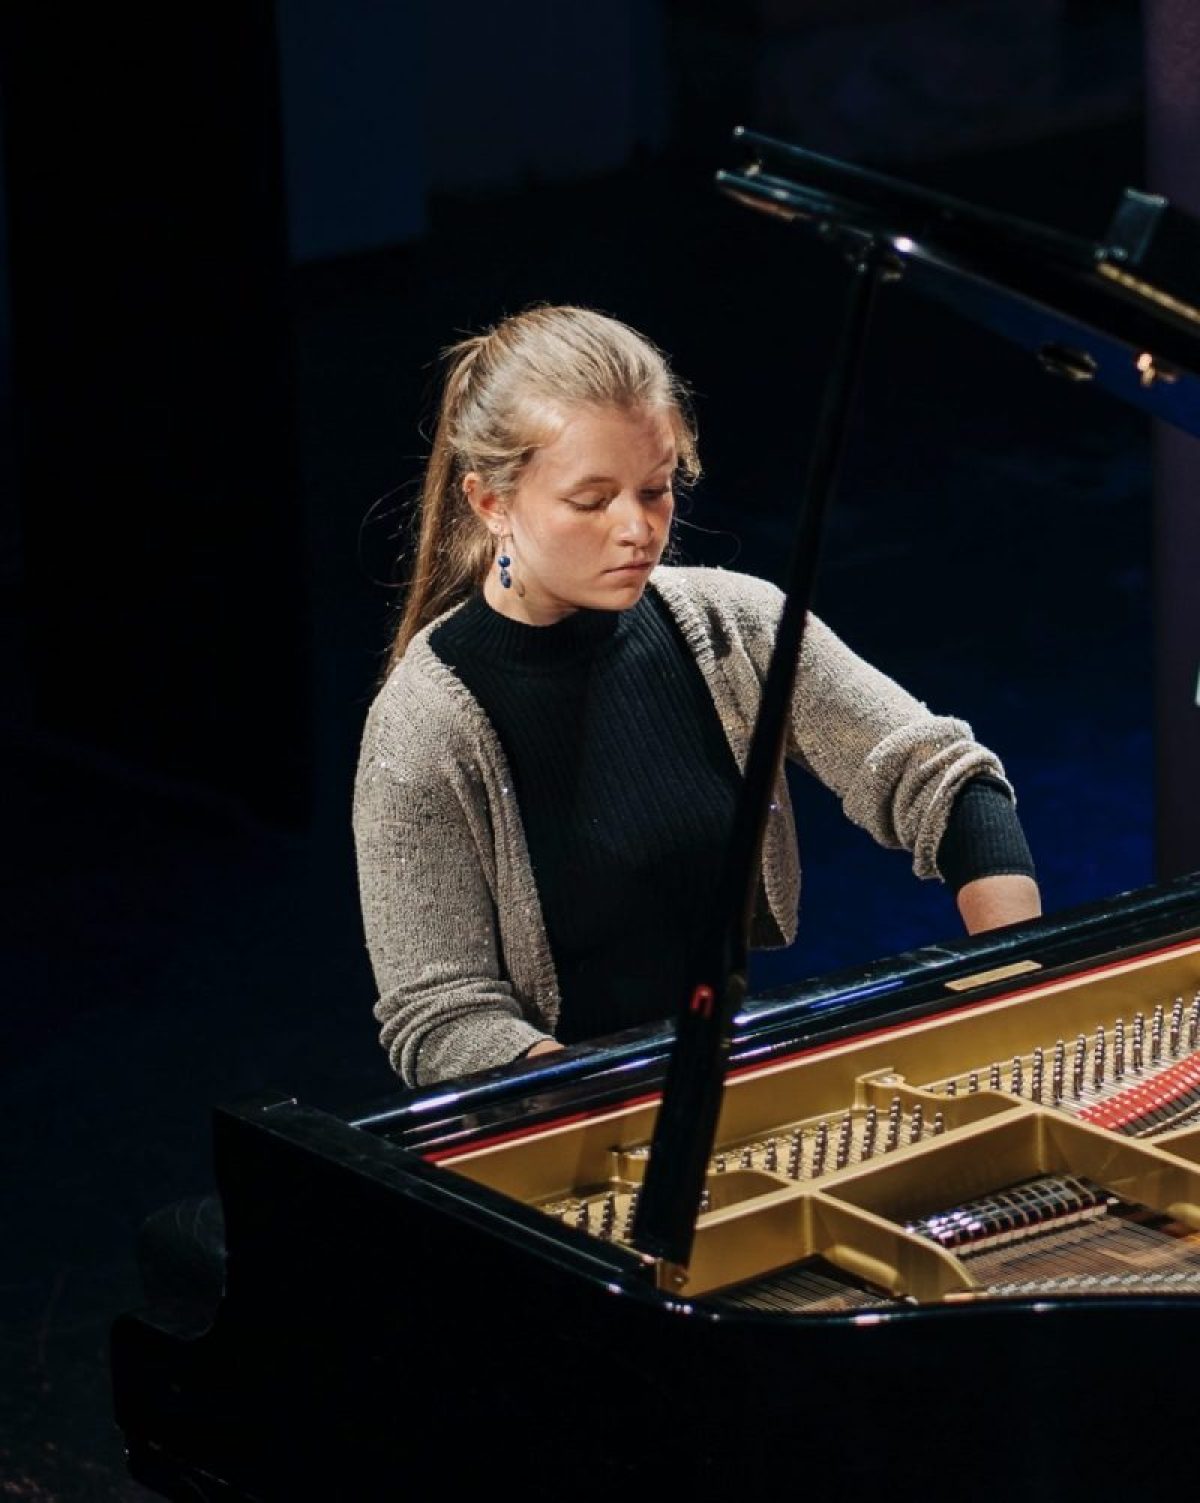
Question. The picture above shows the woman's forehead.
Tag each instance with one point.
(603, 442)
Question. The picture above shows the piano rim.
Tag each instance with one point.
(443, 1121)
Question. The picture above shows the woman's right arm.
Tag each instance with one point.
(445, 1007)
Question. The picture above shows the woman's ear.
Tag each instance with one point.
(485, 503)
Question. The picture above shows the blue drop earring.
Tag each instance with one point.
(504, 565)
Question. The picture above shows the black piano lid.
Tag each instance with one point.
(1122, 312)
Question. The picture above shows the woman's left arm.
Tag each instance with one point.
(914, 779)
(992, 902)
(909, 777)
(898, 768)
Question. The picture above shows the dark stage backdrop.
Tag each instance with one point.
(162, 554)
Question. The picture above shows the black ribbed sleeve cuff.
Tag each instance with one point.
(983, 836)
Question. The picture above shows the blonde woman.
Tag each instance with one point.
(548, 774)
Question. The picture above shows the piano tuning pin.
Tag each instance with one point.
(608, 1217)
(994, 1077)
(1176, 1025)
(795, 1154)
(952, 1088)
(916, 1123)
(1119, 1049)
(870, 1132)
(939, 1124)
(1079, 1066)
(1194, 1024)
(747, 1159)
(1139, 1040)
(705, 1201)
(583, 1217)
(821, 1151)
(1156, 1034)
(973, 1082)
(631, 1216)
(719, 1164)
(1016, 1080)
(771, 1162)
(845, 1138)
(1038, 1074)
(1099, 1057)
(1059, 1071)
(893, 1132)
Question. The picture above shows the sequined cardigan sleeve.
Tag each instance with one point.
(450, 907)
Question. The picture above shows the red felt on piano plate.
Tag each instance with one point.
(1141, 1100)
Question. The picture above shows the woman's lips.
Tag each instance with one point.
(638, 568)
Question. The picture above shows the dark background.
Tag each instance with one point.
(232, 241)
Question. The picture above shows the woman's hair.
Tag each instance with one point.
(506, 393)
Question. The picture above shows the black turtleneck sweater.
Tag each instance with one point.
(626, 787)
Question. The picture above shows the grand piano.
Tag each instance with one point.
(935, 1227)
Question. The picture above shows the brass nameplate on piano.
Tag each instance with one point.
(998, 973)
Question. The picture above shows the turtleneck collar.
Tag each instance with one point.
(481, 630)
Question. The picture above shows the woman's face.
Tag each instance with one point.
(590, 516)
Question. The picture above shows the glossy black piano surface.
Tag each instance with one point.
(440, 1287)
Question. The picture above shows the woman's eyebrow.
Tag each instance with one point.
(670, 457)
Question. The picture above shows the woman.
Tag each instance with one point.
(549, 771)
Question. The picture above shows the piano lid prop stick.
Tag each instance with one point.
(687, 1119)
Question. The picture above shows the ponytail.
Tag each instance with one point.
(452, 550)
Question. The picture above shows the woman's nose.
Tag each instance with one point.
(634, 523)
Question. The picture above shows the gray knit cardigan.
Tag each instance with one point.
(453, 923)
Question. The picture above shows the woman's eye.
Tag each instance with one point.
(651, 494)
